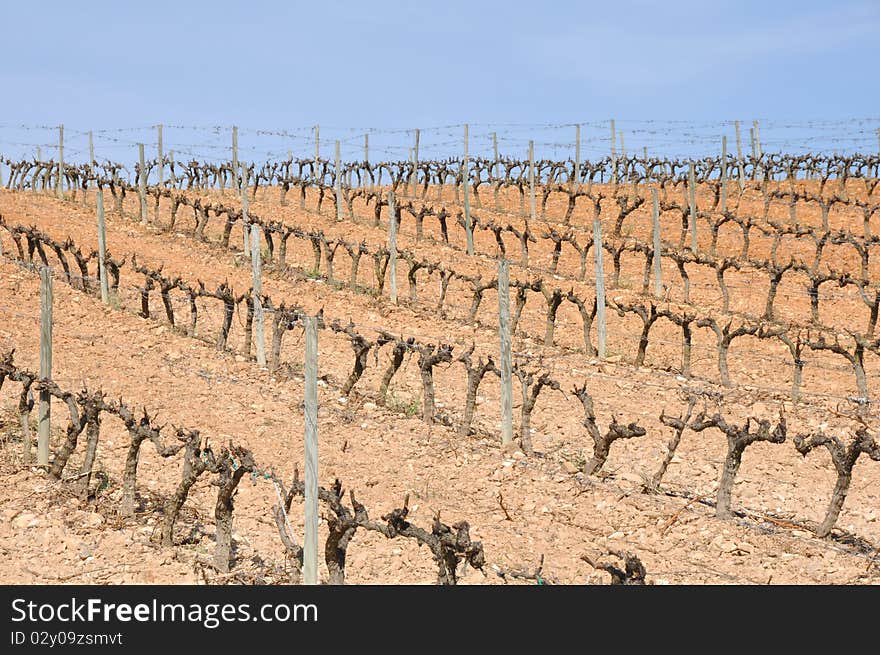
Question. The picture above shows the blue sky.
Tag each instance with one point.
(289, 65)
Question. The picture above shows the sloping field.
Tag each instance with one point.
(522, 508)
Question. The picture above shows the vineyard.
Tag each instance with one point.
(693, 366)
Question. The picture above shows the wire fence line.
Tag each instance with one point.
(551, 141)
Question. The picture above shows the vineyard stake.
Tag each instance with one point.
(600, 287)
(465, 180)
(317, 129)
(161, 157)
(310, 538)
(758, 152)
(623, 157)
(171, 177)
(91, 150)
(102, 248)
(338, 185)
(658, 266)
(392, 248)
(245, 230)
(497, 184)
(256, 266)
(234, 157)
(367, 159)
(142, 183)
(754, 153)
(577, 155)
(416, 163)
(506, 368)
(741, 176)
(692, 204)
(532, 180)
(45, 365)
(60, 187)
(613, 153)
(724, 173)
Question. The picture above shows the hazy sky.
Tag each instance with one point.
(263, 64)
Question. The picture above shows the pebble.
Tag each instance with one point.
(25, 520)
(92, 520)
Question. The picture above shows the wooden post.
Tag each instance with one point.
(532, 180)
(44, 424)
(142, 183)
(415, 183)
(91, 150)
(102, 249)
(724, 173)
(613, 153)
(161, 156)
(59, 189)
(623, 157)
(465, 182)
(692, 204)
(658, 265)
(506, 364)
(310, 540)
(39, 153)
(338, 184)
(577, 155)
(600, 287)
(741, 176)
(234, 180)
(256, 266)
(245, 229)
(392, 248)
